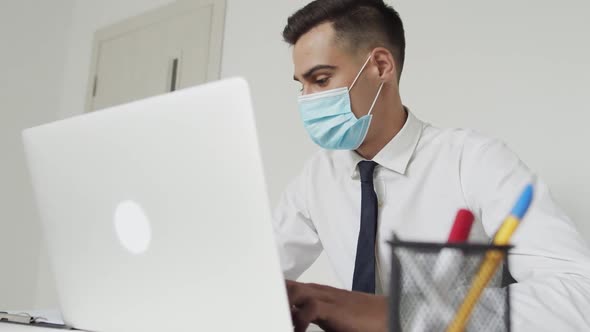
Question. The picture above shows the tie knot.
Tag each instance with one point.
(366, 169)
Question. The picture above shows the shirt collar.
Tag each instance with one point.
(396, 154)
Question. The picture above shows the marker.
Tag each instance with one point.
(461, 227)
(441, 276)
(459, 233)
(492, 260)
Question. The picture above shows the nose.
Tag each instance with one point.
(305, 90)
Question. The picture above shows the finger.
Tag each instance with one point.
(300, 292)
(298, 324)
(290, 284)
(312, 311)
(328, 293)
(291, 289)
(302, 296)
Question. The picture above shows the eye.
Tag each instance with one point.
(322, 82)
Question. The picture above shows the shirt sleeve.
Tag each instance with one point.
(550, 261)
(296, 237)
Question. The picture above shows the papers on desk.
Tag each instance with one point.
(47, 318)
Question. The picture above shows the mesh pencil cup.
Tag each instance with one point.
(429, 282)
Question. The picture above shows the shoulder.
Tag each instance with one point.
(467, 141)
(460, 137)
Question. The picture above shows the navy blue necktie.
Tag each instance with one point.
(364, 266)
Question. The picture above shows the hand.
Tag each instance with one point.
(336, 310)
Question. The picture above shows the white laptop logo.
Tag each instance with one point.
(132, 227)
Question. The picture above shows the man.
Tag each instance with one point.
(382, 170)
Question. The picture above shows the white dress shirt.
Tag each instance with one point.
(424, 175)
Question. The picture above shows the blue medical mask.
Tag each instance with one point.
(327, 116)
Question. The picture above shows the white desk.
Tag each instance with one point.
(5, 327)
(55, 316)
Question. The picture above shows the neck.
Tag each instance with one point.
(392, 118)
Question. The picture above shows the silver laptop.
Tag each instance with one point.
(156, 215)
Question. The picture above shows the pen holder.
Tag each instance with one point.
(430, 281)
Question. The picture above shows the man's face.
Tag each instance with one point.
(321, 63)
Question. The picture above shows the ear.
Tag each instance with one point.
(385, 64)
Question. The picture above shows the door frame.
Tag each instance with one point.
(154, 16)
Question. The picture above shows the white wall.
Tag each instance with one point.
(32, 34)
(516, 70)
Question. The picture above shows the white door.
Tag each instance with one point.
(166, 49)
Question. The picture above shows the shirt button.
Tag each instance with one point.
(380, 204)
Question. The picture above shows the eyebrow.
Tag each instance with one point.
(310, 72)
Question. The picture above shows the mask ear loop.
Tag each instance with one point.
(376, 97)
(359, 74)
(356, 79)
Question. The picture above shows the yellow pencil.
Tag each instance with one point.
(492, 259)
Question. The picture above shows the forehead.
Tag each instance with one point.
(318, 47)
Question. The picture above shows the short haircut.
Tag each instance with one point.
(359, 25)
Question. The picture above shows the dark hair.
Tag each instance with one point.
(359, 24)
